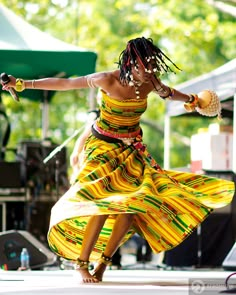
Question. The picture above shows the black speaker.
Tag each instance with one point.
(207, 247)
(11, 244)
(37, 174)
(10, 175)
(40, 219)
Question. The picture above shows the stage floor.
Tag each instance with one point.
(143, 281)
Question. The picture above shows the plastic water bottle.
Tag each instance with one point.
(24, 259)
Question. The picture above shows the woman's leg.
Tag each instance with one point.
(121, 227)
(91, 234)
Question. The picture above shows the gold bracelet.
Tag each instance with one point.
(192, 103)
(20, 85)
(32, 82)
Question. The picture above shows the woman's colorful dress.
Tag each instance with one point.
(119, 178)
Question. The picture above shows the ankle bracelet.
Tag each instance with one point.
(81, 264)
(105, 260)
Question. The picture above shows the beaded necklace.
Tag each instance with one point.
(136, 85)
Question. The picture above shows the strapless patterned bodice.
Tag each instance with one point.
(120, 117)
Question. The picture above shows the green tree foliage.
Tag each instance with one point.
(195, 35)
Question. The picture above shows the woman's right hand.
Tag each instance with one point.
(7, 81)
(74, 159)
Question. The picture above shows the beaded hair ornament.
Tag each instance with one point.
(145, 52)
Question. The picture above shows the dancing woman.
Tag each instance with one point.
(119, 189)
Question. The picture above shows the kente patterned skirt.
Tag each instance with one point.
(115, 178)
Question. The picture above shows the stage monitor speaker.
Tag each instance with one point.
(229, 262)
(11, 244)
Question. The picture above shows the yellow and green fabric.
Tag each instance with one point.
(117, 178)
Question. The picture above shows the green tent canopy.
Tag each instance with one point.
(29, 53)
(38, 64)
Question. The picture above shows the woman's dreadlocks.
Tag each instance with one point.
(144, 51)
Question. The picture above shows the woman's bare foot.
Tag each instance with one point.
(82, 267)
(86, 276)
(99, 271)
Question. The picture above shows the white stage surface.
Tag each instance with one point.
(202, 281)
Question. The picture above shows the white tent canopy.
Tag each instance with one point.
(18, 34)
(223, 81)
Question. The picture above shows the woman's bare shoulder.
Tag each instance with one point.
(103, 75)
(102, 79)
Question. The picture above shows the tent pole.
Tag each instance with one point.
(167, 142)
(234, 135)
(45, 115)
